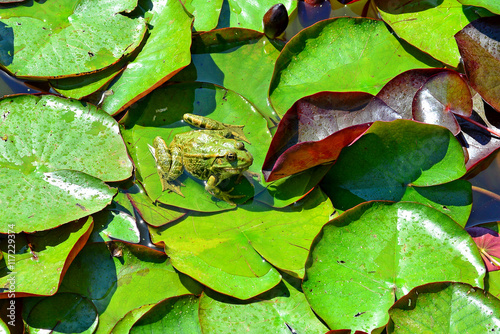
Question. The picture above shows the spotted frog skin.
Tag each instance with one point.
(212, 154)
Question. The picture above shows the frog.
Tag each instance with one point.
(212, 153)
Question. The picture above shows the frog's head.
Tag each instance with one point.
(234, 160)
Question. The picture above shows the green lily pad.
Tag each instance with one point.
(213, 54)
(85, 85)
(206, 13)
(493, 279)
(111, 224)
(402, 160)
(161, 115)
(445, 308)
(133, 277)
(175, 315)
(248, 14)
(277, 311)
(153, 213)
(377, 252)
(125, 324)
(286, 191)
(63, 313)
(363, 56)
(232, 252)
(74, 37)
(492, 6)
(46, 254)
(165, 52)
(430, 26)
(56, 168)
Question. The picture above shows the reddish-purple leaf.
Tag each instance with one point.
(480, 141)
(443, 95)
(488, 242)
(479, 46)
(317, 127)
(400, 91)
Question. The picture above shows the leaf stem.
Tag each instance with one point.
(479, 125)
(486, 192)
(490, 258)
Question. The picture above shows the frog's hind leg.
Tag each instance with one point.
(164, 163)
(226, 130)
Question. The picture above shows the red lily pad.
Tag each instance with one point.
(317, 127)
(479, 46)
(400, 91)
(442, 96)
(488, 242)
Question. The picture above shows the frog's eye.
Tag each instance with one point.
(240, 145)
(230, 156)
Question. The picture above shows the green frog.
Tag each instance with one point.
(215, 153)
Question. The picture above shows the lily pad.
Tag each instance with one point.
(492, 6)
(377, 252)
(116, 221)
(67, 42)
(443, 96)
(114, 224)
(175, 315)
(56, 169)
(63, 313)
(165, 52)
(400, 91)
(153, 213)
(125, 324)
(232, 252)
(46, 253)
(288, 190)
(280, 310)
(84, 85)
(493, 280)
(133, 277)
(206, 13)
(213, 55)
(402, 160)
(364, 55)
(318, 127)
(161, 115)
(422, 24)
(445, 308)
(481, 40)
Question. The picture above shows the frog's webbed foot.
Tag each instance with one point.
(237, 133)
(173, 186)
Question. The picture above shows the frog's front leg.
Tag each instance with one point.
(212, 189)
